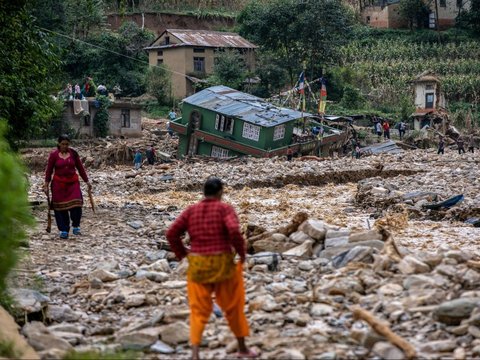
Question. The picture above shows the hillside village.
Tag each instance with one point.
(343, 135)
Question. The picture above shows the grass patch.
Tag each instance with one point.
(94, 355)
(154, 110)
(43, 143)
(8, 350)
(8, 303)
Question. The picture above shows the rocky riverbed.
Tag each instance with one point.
(368, 241)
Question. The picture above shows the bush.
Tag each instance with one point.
(101, 121)
(159, 84)
(352, 98)
(14, 209)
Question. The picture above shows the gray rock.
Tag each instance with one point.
(326, 356)
(357, 254)
(303, 251)
(69, 328)
(471, 279)
(337, 233)
(459, 255)
(305, 265)
(152, 275)
(103, 275)
(318, 310)
(438, 346)
(29, 301)
(161, 348)
(332, 252)
(72, 338)
(336, 241)
(385, 350)
(159, 265)
(316, 229)
(96, 283)
(419, 282)
(390, 290)
(411, 265)
(61, 313)
(135, 300)
(139, 340)
(454, 311)
(156, 255)
(299, 237)
(136, 224)
(365, 236)
(41, 339)
(175, 333)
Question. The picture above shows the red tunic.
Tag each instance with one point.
(213, 228)
(66, 193)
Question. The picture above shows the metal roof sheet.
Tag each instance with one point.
(234, 103)
(211, 38)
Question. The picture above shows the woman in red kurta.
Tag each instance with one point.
(67, 200)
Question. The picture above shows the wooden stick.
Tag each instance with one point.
(49, 216)
(92, 204)
(382, 328)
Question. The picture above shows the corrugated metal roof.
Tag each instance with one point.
(217, 39)
(234, 103)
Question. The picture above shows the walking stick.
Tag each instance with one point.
(49, 218)
(92, 204)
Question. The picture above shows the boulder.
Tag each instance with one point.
(357, 254)
(386, 350)
(161, 348)
(103, 275)
(152, 275)
(336, 241)
(303, 251)
(135, 300)
(411, 265)
(299, 237)
(139, 340)
(340, 233)
(316, 229)
(41, 339)
(454, 311)
(159, 265)
(275, 243)
(438, 346)
(365, 236)
(334, 251)
(29, 301)
(175, 333)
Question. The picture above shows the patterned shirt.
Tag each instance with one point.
(213, 228)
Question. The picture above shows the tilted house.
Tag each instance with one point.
(190, 54)
(222, 122)
(428, 98)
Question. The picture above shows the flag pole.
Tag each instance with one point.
(303, 100)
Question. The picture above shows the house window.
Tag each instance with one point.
(160, 53)
(224, 123)
(443, 3)
(251, 132)
(199, 64)
(125, 118)
(198, 50)
(159, 61)
(429, 87)
(278, 132)
(429, 99)
(167, 40)
(219, 152)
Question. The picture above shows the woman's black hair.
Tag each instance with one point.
(212, 186)
(63, 137)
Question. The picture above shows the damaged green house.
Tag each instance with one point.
(223, 122)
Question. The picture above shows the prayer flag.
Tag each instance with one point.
(323, 97)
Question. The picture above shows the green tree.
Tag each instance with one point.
(471, 19)
(297, 31)
(111, 58)
(159, 84)
(29, 67)
(14, 209)
(229, 69)
(83, 16)
(415, 12)
(352, 98)
(101, 124)
(271, 73)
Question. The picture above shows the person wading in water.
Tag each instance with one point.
(214, 236)
(67, 200)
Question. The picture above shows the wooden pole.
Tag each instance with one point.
(383, 329)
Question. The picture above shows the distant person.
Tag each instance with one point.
(358, 152)
(471, 144)
(402, 128)
(137, 160)
(386, 130)
(102, 90)
(378, 130)
(441, 146)
(460, 145)
(172, 115)
(215, 238)
(69, 91)
(78, 92)
(67, 199)
(289, 154)
(150, 153)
